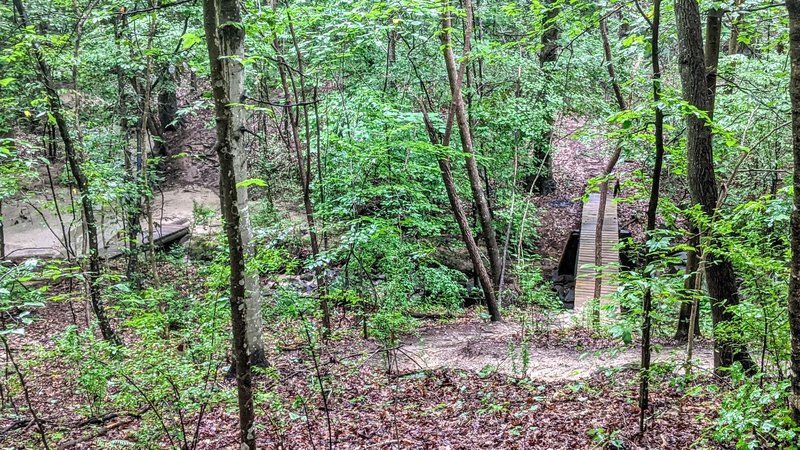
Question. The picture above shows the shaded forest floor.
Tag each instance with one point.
(407, 407)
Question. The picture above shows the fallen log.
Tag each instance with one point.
(430, 316)
(94, 435)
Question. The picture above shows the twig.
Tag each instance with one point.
(155, 8)
(26, 393)
(110, 416)
(101, 432)
(319, 380)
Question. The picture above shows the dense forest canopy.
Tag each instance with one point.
(399, 224)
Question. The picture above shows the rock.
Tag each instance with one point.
(564, 279)
(457, 259)
(307, 276)
(200, 247)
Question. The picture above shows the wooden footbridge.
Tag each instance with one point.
(585, 272)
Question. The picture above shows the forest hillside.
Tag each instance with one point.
(399, 224)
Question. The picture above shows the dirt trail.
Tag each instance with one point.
(33, 228)
(474, 347)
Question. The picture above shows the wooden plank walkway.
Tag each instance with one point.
(585, 276)
(163, 235)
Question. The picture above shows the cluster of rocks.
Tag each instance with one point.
(564, 285)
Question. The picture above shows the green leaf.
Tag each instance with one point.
(251, 182)
(626, 337)
(188, 40)
(6, 81)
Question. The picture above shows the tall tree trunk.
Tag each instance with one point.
(711, 52)
(652, 210)
(736, 22)
(228, 84)
(481, 203)
(2, 234)
(461, 217)
(445, 169)
(793, 6)
(132, 204)
(92, 275)
(143, 145)
(542, 180)
(294, 102)
(309, 175)
(721, 279)
(225, 40)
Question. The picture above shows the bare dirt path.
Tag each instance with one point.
(500, 346)
(33, 228)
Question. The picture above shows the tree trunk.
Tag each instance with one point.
(542, 180)
(392, 36)
(228, 86)
(652, 210)
(2, 234)
(793, 6)
(254, 327)
(81, 182)
(721, 279)
(609, 60)
(461, 218)
(711, 52)
(225, 39)
(549, 40)
(685, 313)
(482, 204)
(168, 109)
(736, 22)
(132, 164)
(134, 207)
(144, 157)
(293, 142)
(469, 240)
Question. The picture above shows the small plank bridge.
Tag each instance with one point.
(585, 267)
(164, 234)
(577, 263)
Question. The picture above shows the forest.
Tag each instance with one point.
(399, 224)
